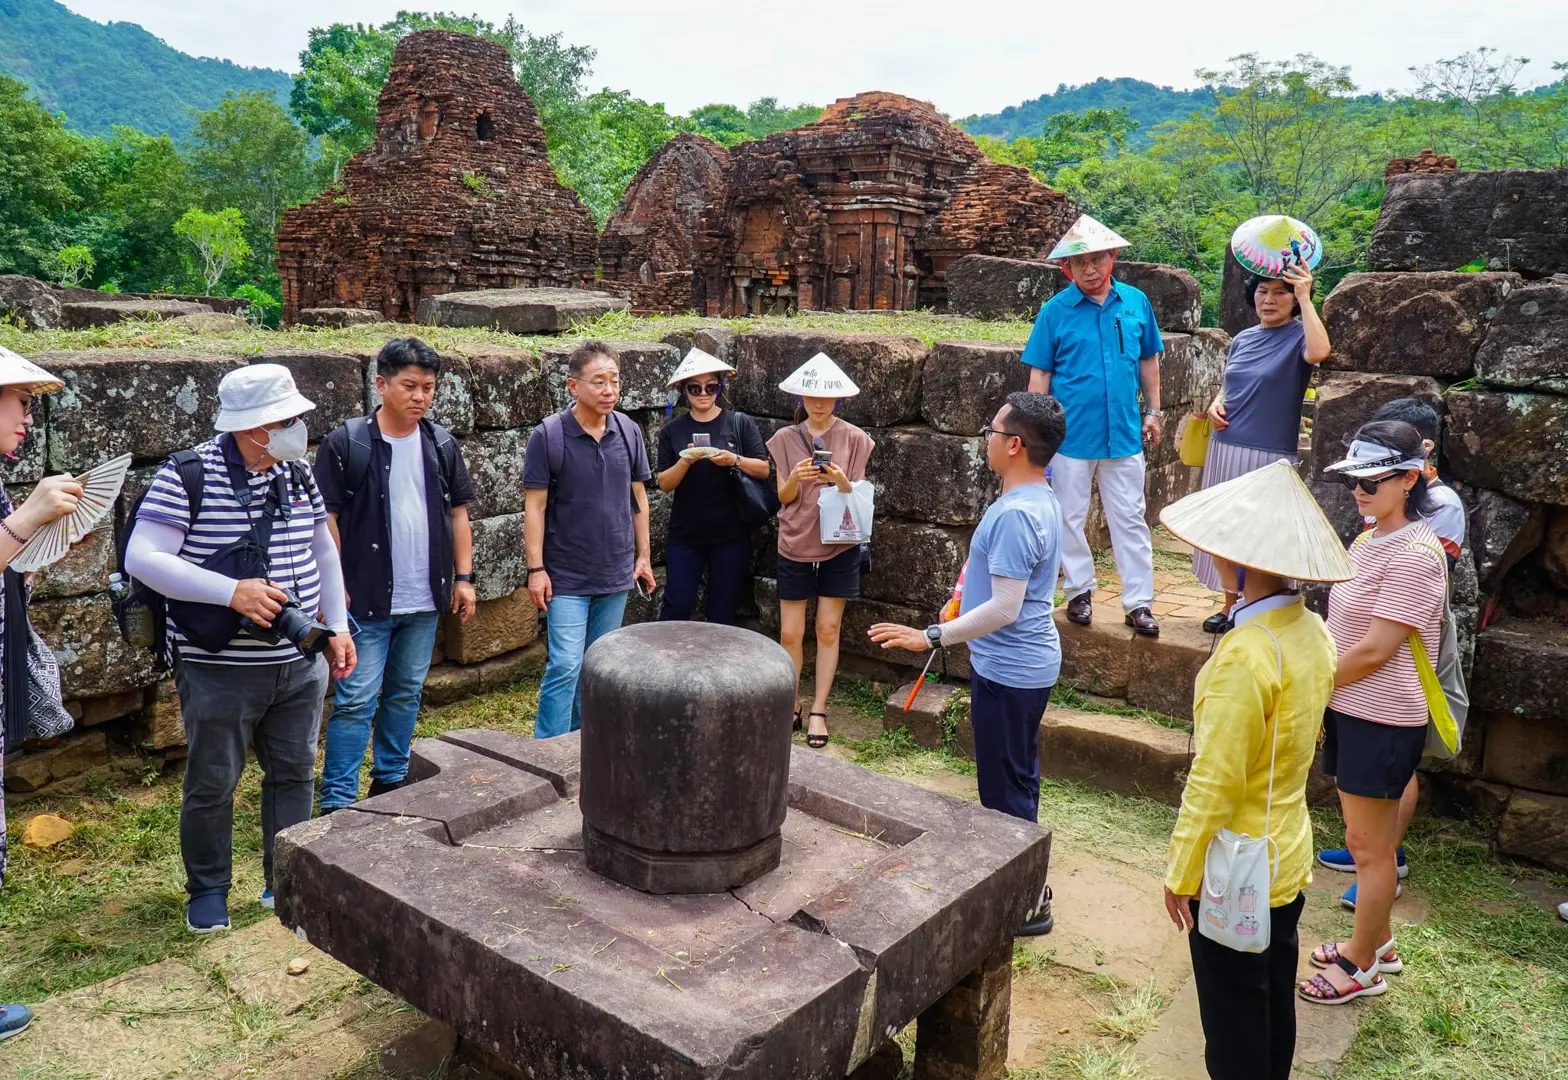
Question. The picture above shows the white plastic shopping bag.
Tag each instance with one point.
(845, 518)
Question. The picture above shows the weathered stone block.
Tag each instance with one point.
(1346, 400)
(924, 476)
(94, 659)
(499, 626)
(116, 401)
(446, 683)
(716, 341)
(1509, 442)
(1116, 753)
(31, 456)
(1554, 549)
(100, 710)
(927, 719)
(519, 311)
(500, 557)
(336, 318)
(1421, 324)
(1519, 669)
(495, 466)
(1527, 752)
(964, 1035)
(966, 382)
(1527, 345)
(31, 302)
(1536, 827)
(210, 322)
(1162, 670)
(81, 315)
(84, 570)
(334, 381)
(161, 725)
(985, 287)
(1503, 531)
(1172, 291)
(453, 407)
(1237, 311)
(75, 755)
(646, 367)
(914, 564)
(502, 671)
(1096, 658)
(510, 390)
(1510, 218)
(1192, 368)
(887, 370)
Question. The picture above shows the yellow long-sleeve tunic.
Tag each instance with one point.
(1240, 697)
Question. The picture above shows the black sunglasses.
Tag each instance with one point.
(1368, 484)
(703, 389)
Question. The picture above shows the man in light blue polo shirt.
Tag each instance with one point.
(1094, 345)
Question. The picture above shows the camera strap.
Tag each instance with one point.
(276, 505)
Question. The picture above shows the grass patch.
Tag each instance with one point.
(511, 710)
(1132, 1015)
(1095, 1061)
(1066, 697)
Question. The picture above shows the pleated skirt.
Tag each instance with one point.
(1225, 462)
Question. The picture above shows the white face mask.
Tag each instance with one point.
(288, 443)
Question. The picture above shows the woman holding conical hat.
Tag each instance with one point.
(21, 382)
(696, 452)
(1258, 705)
(818, 450)
(1256, 416)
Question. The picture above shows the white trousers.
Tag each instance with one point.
(1121, 495)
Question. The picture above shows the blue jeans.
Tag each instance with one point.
(572, 623)
(726, 566)
(383, 693)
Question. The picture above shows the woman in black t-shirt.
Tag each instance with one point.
(697, 450)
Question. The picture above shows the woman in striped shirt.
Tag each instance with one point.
(1375, 726)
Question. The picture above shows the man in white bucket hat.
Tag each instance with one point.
(1094, 345)
(248, 691)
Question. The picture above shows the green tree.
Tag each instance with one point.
(1068, 138)
(724, 124)
(610, 137)
(72, 264)
(1475, 108)
(219, 240)
(248, 154)
(728, 125)
(42, 166)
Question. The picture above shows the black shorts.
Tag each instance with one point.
(1372, 760)
(838, 576)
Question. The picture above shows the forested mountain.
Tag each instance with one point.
(1146, 103)
(100, 75)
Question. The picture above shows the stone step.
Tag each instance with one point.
(1108, 659)
(1116, 753)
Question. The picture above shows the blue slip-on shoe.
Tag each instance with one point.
(1341, 860)
(207, 914)
(1348, 898)
(267, 900)
(14, 1020)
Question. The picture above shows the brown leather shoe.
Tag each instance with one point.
(1080, 609)
(1142, 621)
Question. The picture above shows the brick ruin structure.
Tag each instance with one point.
(1425, 162)
(863, 210)
(457, 192)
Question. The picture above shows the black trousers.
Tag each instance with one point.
(1007, 745)
(1248, 1000)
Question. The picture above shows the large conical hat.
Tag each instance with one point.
(1265, 520)
(1085, 237)
(19, 371)
(1268, 245)
(697, 363)
(819, 377)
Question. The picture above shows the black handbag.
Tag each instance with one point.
(755, 500)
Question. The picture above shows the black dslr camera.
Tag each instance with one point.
(309, 636)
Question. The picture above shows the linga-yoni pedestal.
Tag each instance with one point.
(537, 895)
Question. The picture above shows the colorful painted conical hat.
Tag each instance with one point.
(1264, 520)
(1267, 245)
(819, 377)
(1086, 236)
(697, 363)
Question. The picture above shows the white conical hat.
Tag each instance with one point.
(19, 371)
(1265, 520)
(1087, 235)
(696, 363)
(819, 377)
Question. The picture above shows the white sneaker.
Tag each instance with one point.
(1562, 909)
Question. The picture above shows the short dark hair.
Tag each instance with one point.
(1255, 282)
(1415, 412)
(587, 351)
(1039, 421)
(1403, 438)
(402, 352)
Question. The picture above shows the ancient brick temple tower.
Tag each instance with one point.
(457, 192)
(863, 210)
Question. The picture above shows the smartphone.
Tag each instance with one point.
(701, 438)
(819, 458)
(642, 592)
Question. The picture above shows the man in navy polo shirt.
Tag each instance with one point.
(585, 526)
(1094, 344)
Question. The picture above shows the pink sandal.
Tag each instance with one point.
(1388, 961)
(1320, 991)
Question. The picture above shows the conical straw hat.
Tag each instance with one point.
(697, 363)
(1268, 245)
(19, 371)
(1085, 237)
(1264, 520)
(819, 377)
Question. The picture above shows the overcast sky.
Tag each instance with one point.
(967, 56)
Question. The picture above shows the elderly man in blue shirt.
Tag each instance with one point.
(1094, 345)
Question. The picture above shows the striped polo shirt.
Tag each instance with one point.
(1403, 578)
(222, 521)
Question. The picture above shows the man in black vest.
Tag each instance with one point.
(397, 495)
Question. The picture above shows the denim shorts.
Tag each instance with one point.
(1369, 759)
(838, 576)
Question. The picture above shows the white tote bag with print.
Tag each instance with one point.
(845, 517)
(1239, 872)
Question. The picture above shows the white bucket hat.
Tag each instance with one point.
(258, 394)
(1265, 520)
(19, 371)
(1084, 238)
(1370, 459)
(819, 377)
(697, 363)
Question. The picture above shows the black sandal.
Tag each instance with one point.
(815, 741)
(1218, 623)
(798, 724)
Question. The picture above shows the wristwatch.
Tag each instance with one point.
(464, 577)
(934, 635)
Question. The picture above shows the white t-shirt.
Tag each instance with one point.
(410, 526)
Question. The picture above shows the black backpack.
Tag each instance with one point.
(356, 459)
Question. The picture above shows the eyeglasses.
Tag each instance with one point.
(1368, 484)
(1007, 434)
(707, 389)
